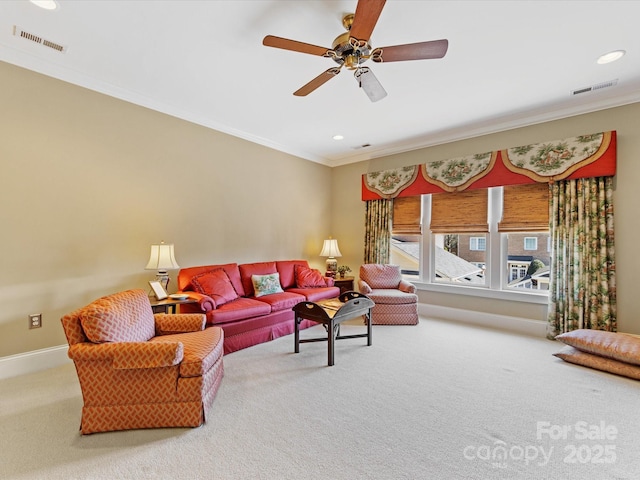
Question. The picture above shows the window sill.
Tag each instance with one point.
(523, 297)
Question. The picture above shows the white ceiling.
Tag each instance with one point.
(509, 64)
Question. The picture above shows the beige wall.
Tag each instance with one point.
(348, 218)
(89, 182)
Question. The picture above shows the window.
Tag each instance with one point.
(524, 263)
(406, 235)
(530, 243)
(457, 262)
(478, 243)
(459, 227)
(405, 251)
(517, 271)
(495, 238)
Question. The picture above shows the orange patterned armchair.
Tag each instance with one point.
(395, 298)
(140, 370)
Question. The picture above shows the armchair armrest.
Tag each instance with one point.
(129, 354)
(406, 287)
(364, 287)
(169, 323)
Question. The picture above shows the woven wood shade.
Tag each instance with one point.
(525, 208)
(407, 216)
(460, 212)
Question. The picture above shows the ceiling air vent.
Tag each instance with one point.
(595, 87)
(19, 32)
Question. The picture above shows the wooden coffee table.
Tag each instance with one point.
(331, 313)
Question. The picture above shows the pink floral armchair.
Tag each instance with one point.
(140, 370)
(395, 298)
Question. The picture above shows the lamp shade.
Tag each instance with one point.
(330, 248)
(162, 258)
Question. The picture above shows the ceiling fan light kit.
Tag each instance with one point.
(352, 49)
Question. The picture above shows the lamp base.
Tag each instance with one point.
(332, 267)
(163, 278)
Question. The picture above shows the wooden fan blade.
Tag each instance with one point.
(294, 45)
(411, 51)
(316, 82)
(370, 84)
(365, 18)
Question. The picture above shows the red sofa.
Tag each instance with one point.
(248, 319)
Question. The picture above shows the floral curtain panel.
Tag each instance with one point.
(377, 237)
(583, 156)
(583, 274)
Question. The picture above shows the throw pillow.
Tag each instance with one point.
(266, 284)
(619, 346)
(578, 357)
(215, 284)
(120, 317)
(309, 277)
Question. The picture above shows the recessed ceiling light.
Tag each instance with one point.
(46, 4)
(338, 137)
(611, 56)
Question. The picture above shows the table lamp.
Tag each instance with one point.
(162, 258)
(331, 251)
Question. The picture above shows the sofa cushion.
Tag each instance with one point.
(308, 277)
(247, 270)
(619, 346)
(215, 284)
(231, 269)
(238, 309)
(392, 296)
(315, 294)
(282, 301)
(266, 284)
(122, 317)
(286, 269)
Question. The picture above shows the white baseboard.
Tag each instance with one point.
(34, 361)
(524, 326)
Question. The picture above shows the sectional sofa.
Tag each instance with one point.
(253, 302)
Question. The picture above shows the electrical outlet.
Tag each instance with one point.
(35, 320)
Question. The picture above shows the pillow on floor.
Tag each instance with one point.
(619, 346)
(309, 277)
(573, 355)
(266, 284)
(215, 284)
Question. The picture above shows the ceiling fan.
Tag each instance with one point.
(352, 49)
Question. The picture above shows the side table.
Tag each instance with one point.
(169, 305)
(344, 283)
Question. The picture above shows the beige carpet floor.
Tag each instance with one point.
(435, 401)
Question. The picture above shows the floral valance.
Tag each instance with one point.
(583, 156)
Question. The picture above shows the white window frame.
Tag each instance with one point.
(530, 239)
(496, 285)
(477, 241)
(519, 269)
